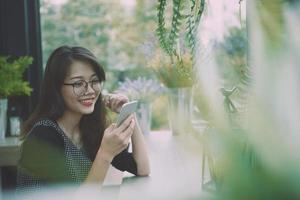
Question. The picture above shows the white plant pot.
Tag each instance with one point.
(3, 118)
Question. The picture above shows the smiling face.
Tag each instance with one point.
(80, 98)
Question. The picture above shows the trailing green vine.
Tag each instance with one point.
(193, 21)
(169, 41)
(176, 22)
(161, 30)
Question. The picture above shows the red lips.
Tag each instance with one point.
(87, 102)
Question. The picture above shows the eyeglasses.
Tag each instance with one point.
(80, 87)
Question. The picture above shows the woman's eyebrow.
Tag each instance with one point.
(93, 75)
(76, 77)
(81, 77)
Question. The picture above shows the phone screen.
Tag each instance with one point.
(126, 110)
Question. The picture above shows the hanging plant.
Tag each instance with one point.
(169, 40)
(177, 71)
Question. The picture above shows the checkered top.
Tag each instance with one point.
(49, 152)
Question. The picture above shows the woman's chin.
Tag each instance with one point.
(86, 111)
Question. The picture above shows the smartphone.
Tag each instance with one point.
(126, 110)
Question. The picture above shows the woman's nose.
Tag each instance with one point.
(89, 89)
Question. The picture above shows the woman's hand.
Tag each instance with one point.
(116, 139)
(115, 101)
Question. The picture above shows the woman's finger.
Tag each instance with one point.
(118, 101)
(127, 133)
(119, 105)
(125, 124)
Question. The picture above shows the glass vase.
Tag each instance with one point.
(179, 109)
(144, 116)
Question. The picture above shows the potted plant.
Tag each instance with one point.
(174, 74)
(11, 84)
(174, 67)
(145, 91)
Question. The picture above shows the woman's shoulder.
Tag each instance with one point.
(45, 123)
(45, 130)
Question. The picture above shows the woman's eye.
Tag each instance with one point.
(96, 81)
(78, 84)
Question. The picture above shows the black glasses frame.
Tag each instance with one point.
(86, 83)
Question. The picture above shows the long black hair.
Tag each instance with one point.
(51, 104)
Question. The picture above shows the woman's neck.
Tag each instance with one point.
(70, 123)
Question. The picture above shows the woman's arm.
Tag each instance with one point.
(139, 151)
(140, 155)
(99, 168)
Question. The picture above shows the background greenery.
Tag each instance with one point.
(11, 76)
(112, 32)
(121, 37)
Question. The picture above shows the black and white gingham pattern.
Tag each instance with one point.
(77, 162)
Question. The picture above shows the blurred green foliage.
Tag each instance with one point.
(176, 74)
(111, 31)
(11, 76)
(232, 58)
(159, 113)
(258, 159)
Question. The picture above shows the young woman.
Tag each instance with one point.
(68, 138)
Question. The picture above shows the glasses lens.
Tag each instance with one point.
(96, 85)
(81, 87)
(79, 91)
